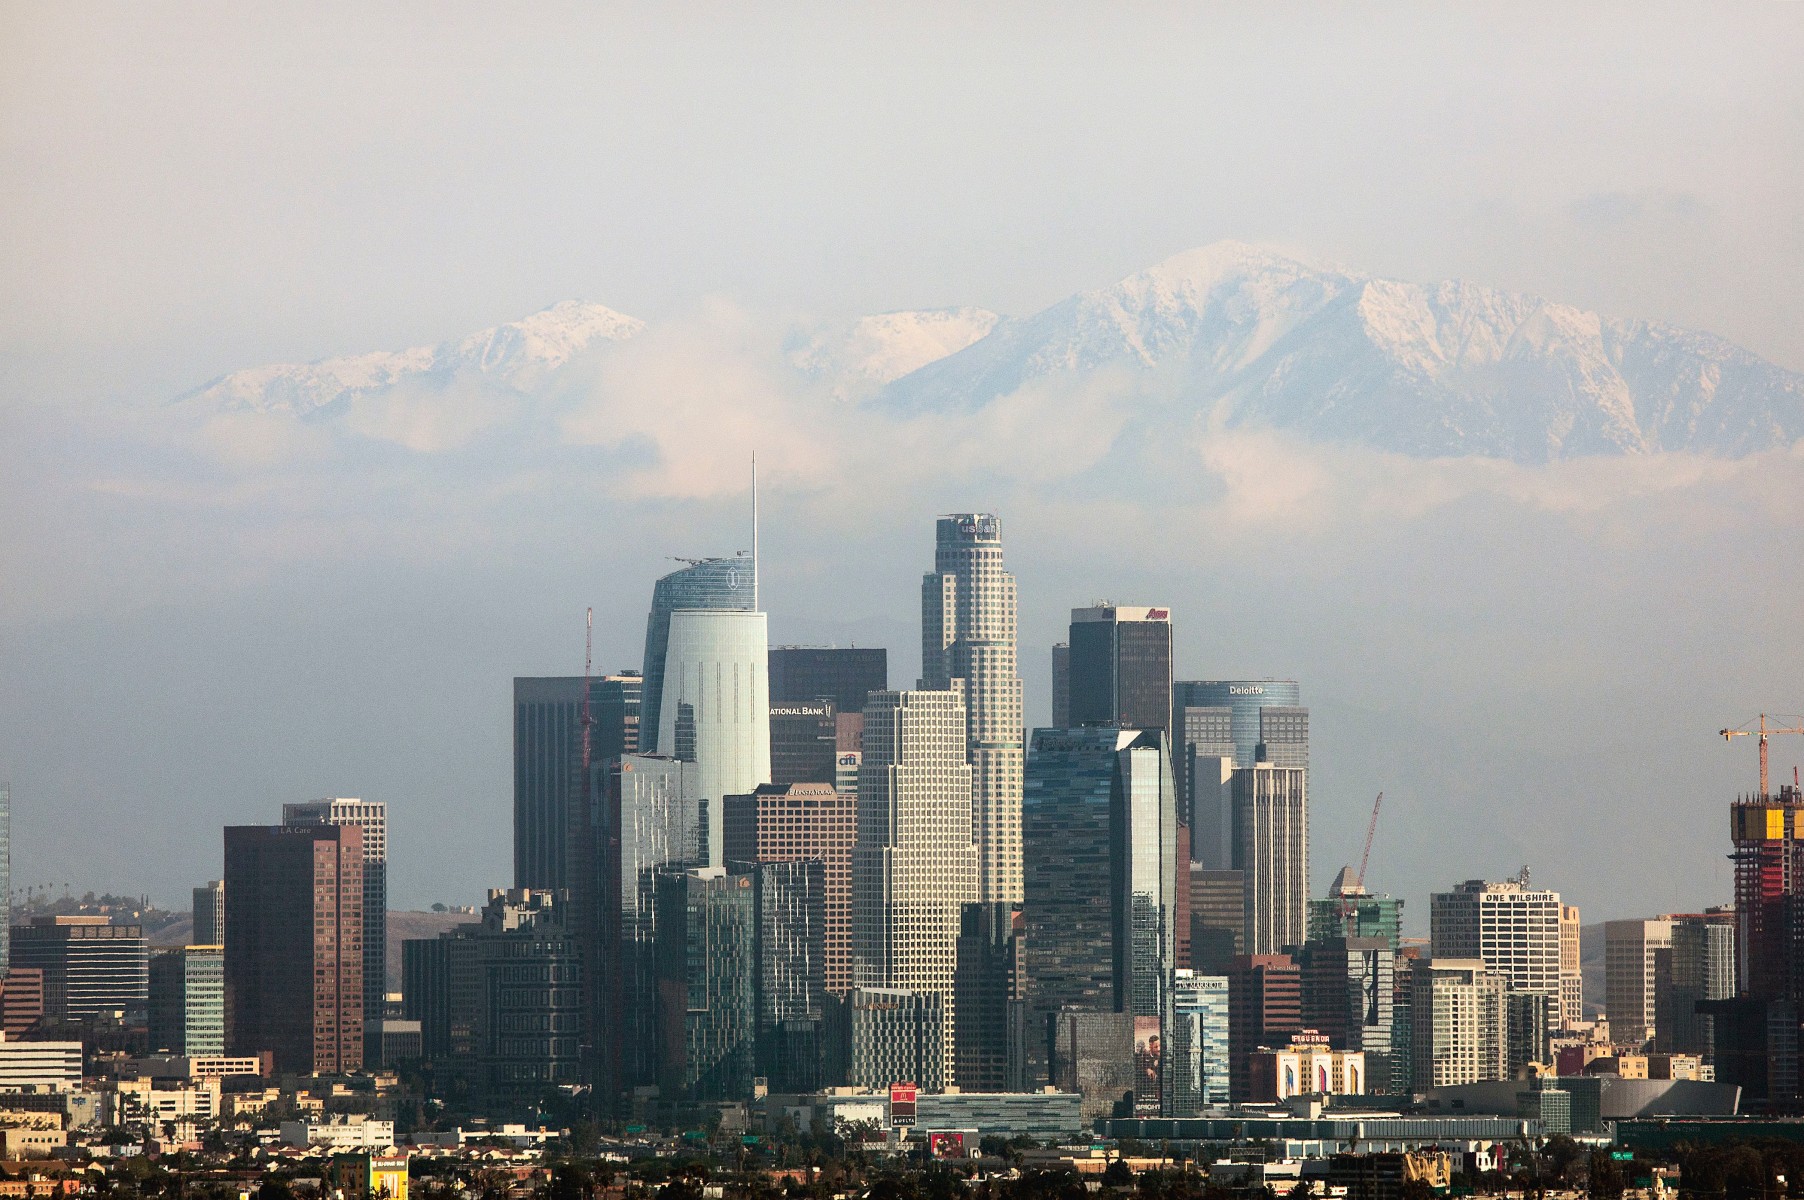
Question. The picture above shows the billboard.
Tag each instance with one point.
(902, 1104)
(947, 1145)
(1149, 1053)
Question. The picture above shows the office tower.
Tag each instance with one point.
(1629, 948)
(845, 675)
(1402, 1080)
(1217, 919)
(548, 737)
(294, 945)
(1457, 1020)
(1207, 779)
(1120, 667)
(716, 709)
(1271, 842)
(803, 821)
(1101, 874)
(371, 816)
(6, 874)
(21, 1000)
(899, 1036)
(804, 742)
(849, 736)
(914, 862)
(91, 966)
(1061, 685)
(646, 822)
(1349, 911)
(1258, 711)
(426, 992)
(968, 633)
(1572, 979)
(1265, 1007)
(989, 1000)
(715, 584)
(1196, 1045)
(1699, 966)
(1513, 928)
(209, 914)
(187, 1000)
(1093, 1055)
(706, 984)
(1347, 996)
(789, 950)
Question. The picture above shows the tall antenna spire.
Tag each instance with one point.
(754, 531)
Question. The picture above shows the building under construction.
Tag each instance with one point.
(1757, 1033)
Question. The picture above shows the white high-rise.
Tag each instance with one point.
(1629, 976)
(968, 633)
(1271, 849)
(715, 708)
(914, 863)
(1512, 928)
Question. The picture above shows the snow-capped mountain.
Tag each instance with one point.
(884, 347)
(1244, 335)
(520, 355)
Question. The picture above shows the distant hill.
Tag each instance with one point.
(403, 925)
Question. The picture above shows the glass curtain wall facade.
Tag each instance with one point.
(1120, 667)
(706, 984)
(844, 675)
(1196, 1045)
(548, 758)
(716, 709)
(1244, 700)
(724, 584)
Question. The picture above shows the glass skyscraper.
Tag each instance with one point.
(716, 709)
(1119, 667)
(706, 984)
(723, 584)
(6, 872)
(844, 675)
(1258, 710)
(187, 1000)
(548, 734)
(1196, 1045)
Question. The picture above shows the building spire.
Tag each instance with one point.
(755, 531)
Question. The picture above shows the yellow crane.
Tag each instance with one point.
(1763, 731)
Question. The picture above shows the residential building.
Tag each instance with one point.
(1513, 928)
(371, 816)
(294, 945)
(1529, 1020)
(21, 1000)
(914, 860)
(846, 675)
(1458, 1023)
(1347, 998)
(777, 823)
(187, 1000)
(804, 742)
(548, 735)
(90, 965)
(716, 710)
(521, 998)
(209, 914)
(1271, 842)
(1572, 979)
(990, 1000)
(789, 951)
(707, 1012)
(1265, 1009)
(898, 1036)
(1629, 949)
(968, 633)
(1196, 1044)
(1698, 967)
(716, 584)
(1120, 667)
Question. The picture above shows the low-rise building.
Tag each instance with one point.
(1308, 1066)
(352, 1132)
(39, 1066)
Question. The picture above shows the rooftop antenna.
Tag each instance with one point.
(754, 531)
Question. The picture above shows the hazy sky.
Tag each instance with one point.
(193, 630)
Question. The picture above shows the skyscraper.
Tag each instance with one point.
(1265, 1006)
(1572, 979)
(548, 733)
(1271, 843)
(1629, 948)
(1512, 928)
(371, 816)
(1349, 911)
(1698, 966)
(1101, 874)
(294, 945)
(989, 991)
(720, 584)
(707, 985)
(6, 873)
(1120, 666)
(1347, 996)
(1061, 685)
(804, 742)
(209, 914)
(187, 1000)
(1458, 1023)
(716, 708)
(968, 633)
(1196, 1046)
(914, 864)
(1258, 710)
(899, 1035)
(844, 675)
(803, 821)
(789, 951)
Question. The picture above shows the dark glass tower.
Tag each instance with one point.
(1268, 711)
(548, 734)
(804, 744)
(706, 984)
(845, 676)
(1120, 667)
(789, 951)
(718, 584)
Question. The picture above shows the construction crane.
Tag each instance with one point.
(1371, 832)
(1763, 731)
